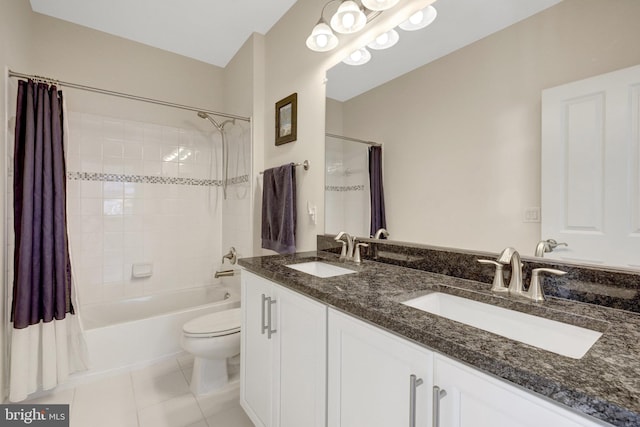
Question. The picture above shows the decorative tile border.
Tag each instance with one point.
(151, 179)
(238, 180)
(344, 188)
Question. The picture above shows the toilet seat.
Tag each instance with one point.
(217, 324)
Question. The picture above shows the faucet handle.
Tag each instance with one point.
(343, 253)
(356, 257)
(535, 291)
(338, 238)
(554, 244)
(232, 256)
(498, 278)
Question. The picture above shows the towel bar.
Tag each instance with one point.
(305, 164)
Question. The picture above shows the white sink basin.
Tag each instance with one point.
(561, 338)
(321, 269)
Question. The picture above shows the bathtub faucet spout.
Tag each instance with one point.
(224, 273)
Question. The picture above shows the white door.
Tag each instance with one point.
(256, 355)
(590, 168)
(370, 376)
(301, 358)
(474, 399)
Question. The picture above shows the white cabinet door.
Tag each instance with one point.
(474, 399)
(591, 168)
(301, 355)
(256, 353)
(369, 376)
(283, 356)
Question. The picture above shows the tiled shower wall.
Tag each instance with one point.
(236, 209)
(145, 193)
(142, 192)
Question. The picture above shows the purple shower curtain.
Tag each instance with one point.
(378, 219)
(42, 270)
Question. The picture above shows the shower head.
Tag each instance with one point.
(204, 115)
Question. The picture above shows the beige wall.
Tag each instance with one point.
(334, 117)
(81, 55)
(462, 135)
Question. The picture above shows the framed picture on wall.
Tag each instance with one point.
(287, 119)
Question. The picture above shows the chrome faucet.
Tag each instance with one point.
(381, 232)
(348, 245)
(547, 246)
(510, 255)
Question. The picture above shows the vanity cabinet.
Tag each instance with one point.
(373, 376)
(474, 399)
(369, 381)
(283, 356)
(303, 364)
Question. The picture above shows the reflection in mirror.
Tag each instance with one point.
(462, 134)
(347, 189)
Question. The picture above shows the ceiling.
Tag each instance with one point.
(211, 31)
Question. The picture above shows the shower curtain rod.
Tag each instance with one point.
(347, 138)
(125, 95)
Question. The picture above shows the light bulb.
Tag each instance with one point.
(385, 40)
(417, 17)
(358, 57)
(382, 38)
(420, 19)
(379, 5)
(322, 40)
(348, 20)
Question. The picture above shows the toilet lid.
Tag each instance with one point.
(215, 324)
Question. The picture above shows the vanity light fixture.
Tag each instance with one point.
(385, 40)
(349, 18)
(352, 16)
(358, 57)
(379, 4)
(420, 19)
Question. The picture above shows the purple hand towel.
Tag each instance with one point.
(279, 209)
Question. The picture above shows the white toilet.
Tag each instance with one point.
(211, 339)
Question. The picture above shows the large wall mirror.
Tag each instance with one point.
(462, 134)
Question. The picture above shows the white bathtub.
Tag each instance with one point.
(140, 330)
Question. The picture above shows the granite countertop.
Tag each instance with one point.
(604, 384)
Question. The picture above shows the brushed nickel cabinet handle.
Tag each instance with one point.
(437, 395)
(270, 331)
(414, 382)
(263, 324)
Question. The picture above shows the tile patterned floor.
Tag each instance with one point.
(157, 396)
